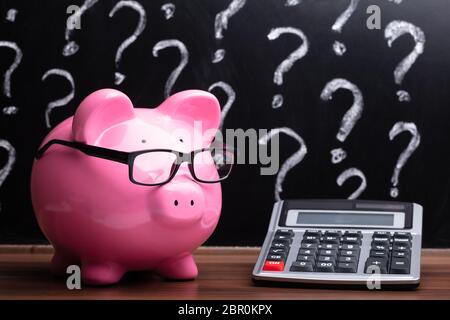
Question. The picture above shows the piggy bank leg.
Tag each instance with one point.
(182, 267)
(101, 273)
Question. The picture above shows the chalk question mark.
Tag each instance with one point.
(7, 77)
(221, 24)
(413, 144)
(169, 10)
(4, 172)
(338, 47)
(60, 102)
(231, 97)
(291, 162)
(353, 172)
(183, 61)
(287, 63)
(350, 117)
(394, 30)
(71, 47)
(119, 77)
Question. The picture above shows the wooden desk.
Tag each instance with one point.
(225, 273)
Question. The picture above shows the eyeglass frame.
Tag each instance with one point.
(128, 158)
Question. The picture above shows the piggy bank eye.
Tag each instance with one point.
(181, 140)
(144, 141)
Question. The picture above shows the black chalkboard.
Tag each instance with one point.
(38, 28)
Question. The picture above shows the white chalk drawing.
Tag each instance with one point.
(11, 15)
(221, 24)
(219, 54)
(403, 96)
(231, 97)
(169, 10)
(340, 48)
(184, 59)
(354, 113)
(291, 162)
(396, 1)
(396, 29)
(413, 144)
(5, 171)
(343, 18)
(71, 47)
(12, 67)
(11, 110)
(353, 172)
(60, 102)
(119, 77)
(287, 63)
(338, 155)
(292, 3)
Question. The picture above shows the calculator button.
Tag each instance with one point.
(309, 246)
(302, 266)
(353, 233)
(401, 254)
(314, 233)
(311, 239)
(403, 241)
(348, 259)
(346, 267)
(349, 253)
(381, 263)
(351, 240)
(404, 235)
(400, 247)
(273, 266)
(274, 250)
(385, 243)
(277, 244)
(379, 253)
(381, 239)
(349, 247)
(330, 239)
(329, 246)
(400, 266)
(326, 252)
(275, 257)
(332, 234)
(306, 258)
(380, 247)
(288, 233)
(307, 252)
(325, 267)
(382, 234)
(325, 259)
(281, 237)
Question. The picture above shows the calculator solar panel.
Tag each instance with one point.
(342, 242)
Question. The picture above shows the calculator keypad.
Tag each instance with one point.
(279, 251)
(339, 252)
(330, 251)
(390, 254)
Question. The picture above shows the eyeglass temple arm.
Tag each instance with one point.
(114, 155)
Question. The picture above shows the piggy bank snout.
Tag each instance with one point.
(181, 200)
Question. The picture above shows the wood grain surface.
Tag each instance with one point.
(225, 273)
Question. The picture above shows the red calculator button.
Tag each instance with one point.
(273, 266)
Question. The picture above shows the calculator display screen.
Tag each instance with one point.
(343, 218)
(350, 219)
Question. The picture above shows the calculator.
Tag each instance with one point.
(342, 242)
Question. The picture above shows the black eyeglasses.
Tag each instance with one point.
(158, 166)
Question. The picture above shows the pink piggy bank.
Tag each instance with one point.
(117, 188)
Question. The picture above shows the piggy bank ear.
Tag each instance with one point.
(196, 107)
(98, 112)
